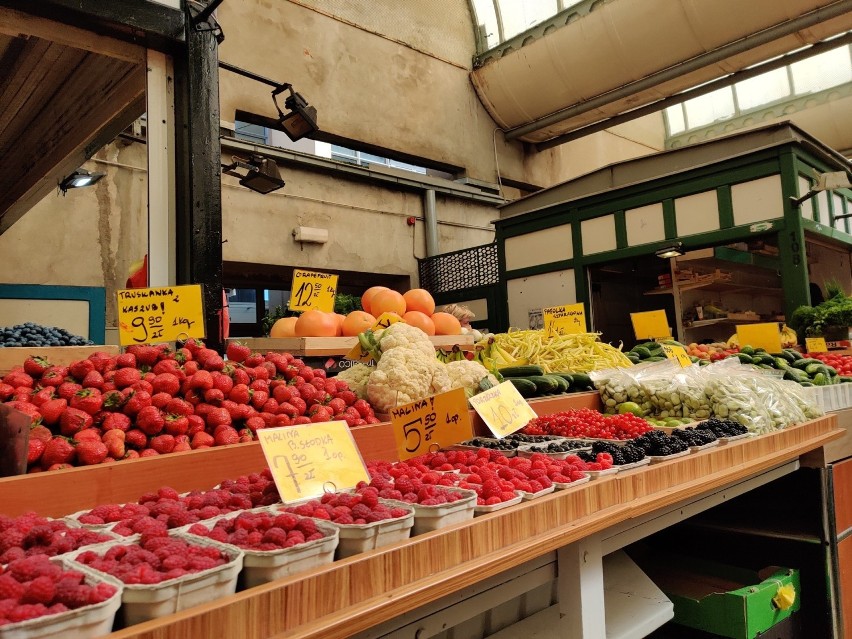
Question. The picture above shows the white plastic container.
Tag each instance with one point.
(141, 602)
(527, 453)
(358, 538)
(429, 518)
(725, 440)
(712, 444)
(594, 474)
(262, 566)
(87, 622)
(484, 510)
(74, 522)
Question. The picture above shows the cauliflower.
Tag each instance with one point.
(405, 375)
(357, 377)
(406, 336)
(467, 374)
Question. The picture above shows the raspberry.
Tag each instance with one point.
(398, 512)
(29, 568)
(101, 592)
(344, 519)
(173, 561)
(360, 511)
(72, 595)
(275, 536)
(40, 590)
(27, 611)
(10, 588)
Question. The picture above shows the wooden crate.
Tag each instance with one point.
(322, 346)
(58, 355)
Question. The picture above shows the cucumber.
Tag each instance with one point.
(820, 379)
(641, 352)
(567, 376)
(805, 362)
(582, 381)
(525, 387)
(561, 383)
(748, 350)
(656, 358)
(792, 355)
(543, 384)
(795, 375)
(781, 363)
(528, 370)
(814, 369)
(745, 358)
(785, 356)
(845, 379)
(806, 383)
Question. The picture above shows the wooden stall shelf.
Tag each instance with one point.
(322, 346)
(58, 355)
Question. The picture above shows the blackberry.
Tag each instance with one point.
(555, 447)
(658, 444)
(621, 455)
(530, 439)
(723, 427)
(695, 436)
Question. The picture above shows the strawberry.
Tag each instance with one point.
(136, 401)
(319, 414)
(270, 406)
(143, 385)
(246, 435)
(364, 409)
(267, 418)
(91, 452)
(193, 397)
(241, 376)
(136, 438)
(190, 368)
(100, 361)
(166, 383)
(87, 434)
(57, 451)
(132, 454)
(259, 398)
(126, 360)
(168, 366)
(74, 420)
(218, 417)
(17, 377)
(202, 439)
(42, 396)
(35, 366)
(281, 394)
(202, 380)
(279, 421)
(79, 369)
(225, 435)
(163, 444)
(150, 420)
(214, 396)
(148, 452)
(240, 394)
(66, 390)
(114, 400)
(145, 355)
(88, 400)
(6, 391)
(237, 352)
(116, 421)
(196, 424)
(35, 451)
(125, 377)
(254, 360)
(256, 422)
(161, 400)
(23, 394)
(182, 355)
(348, 397)
(41, 432)
(176, 424)
(93, 379)
(114, 441)
(223, 382)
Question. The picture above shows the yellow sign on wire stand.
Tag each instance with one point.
(165, 314)
(503, 409)
(766, 336)
(565, 320)
(308, 460)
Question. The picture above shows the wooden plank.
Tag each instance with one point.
(17, 24)
(321, 346)
(844, 560)
(24, 79)
(357, 593)
(57, 355)
(842, 480)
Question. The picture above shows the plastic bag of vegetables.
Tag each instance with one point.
(732, 392)
(620, 385)
(657, 383)
(691, 385)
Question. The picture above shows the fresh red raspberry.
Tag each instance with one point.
(10, 588)
(40, 590)
(27, 611)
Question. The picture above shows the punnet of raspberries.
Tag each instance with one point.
(151, 400)
(261, 531)
(154, 559)
(34, 586)
(30, 535)
(413, 490)
(350, 508)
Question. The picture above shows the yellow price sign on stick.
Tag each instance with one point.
(676, 353)
(766, 336)
(358, 353)
(435, 422)
(312, 290)
(384, 320)
(816, 345)
(503, 409)
(565, 320)
(308, 460)
(651, 325)
(164, 314)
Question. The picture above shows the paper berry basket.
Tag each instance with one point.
(87, 622)
(433, 517)
(141, 602)
(262, 566)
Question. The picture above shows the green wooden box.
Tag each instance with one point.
(720, 599)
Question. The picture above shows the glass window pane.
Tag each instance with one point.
(709, 108)
(763, 89)
(242, 306)
(520, 15)
(250, 132)
(486, 20)
(342, 151)
(407, 167)
(369, 158)
(674, 117)
(822, 71)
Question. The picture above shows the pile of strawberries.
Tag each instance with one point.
(349, 508)
(151, 400)
(30, 535)
(261, 531)
(154, 559)
(34, 587)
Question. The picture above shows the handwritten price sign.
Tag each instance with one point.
(676, 353)
(166, 314)
(503, 409)
(565, 320)
(437, 421)
(312, 290)
(307, 460)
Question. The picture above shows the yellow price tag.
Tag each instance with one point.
(165, 314)
(437, 421)
(312, 290)
(766, 336)
(358, 354)
(384, 320)
(503, 409)
(307, 460)
(565, 320)
(650, 325)
(816, 345)
(676, 353)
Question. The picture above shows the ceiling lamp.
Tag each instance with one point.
(261, 174)
(667, 252)
(301, 120)
(79, 179)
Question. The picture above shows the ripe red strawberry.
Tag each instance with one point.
(246, 435)
(240, 394)
(202, 439)
(196, 424)
(319, 414)
(126, 360)
(237, 352)
(74, 420)
(52, 378)
(6, 391)
(24, 394)
(114, 400)
(41, 432)
(259, 398)
(278, 421)
(125, 377)
(168, 366)
(114, 441)
(88, 400)
(223, 382)
(145, 355)
(66, 390)
(348, 397)
(143, 385)
(163, 444)
(176, 424)
(161, 400)
(17, 377)
(178, 406)
(116, 421)
(57, 451)
(36, 366)
(225, 435)
(191, 367)
(337, 405)
(93, 379)
(214, 396)
(91, 452)
(87, 434)
(35, 451)
(166, 383)
(255, 422)
(218, 417)
(52, 410)
(182, 446)
(79, 369)
(135, 438)
(202, 380)
(136, 401)
(364, 409)
(241, 376)
(150, 420)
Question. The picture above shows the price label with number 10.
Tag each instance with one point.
(503, 409)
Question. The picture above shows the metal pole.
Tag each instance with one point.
(430, 216)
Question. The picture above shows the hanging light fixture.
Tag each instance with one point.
(79, 179)
(261, 174)
(301, 120)
(667, 252)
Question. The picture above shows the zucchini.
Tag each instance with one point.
(525, 387)
(561, 383)
(582, 381)
(527, 370)
(543, 384)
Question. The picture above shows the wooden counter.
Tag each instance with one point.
(360, 592)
